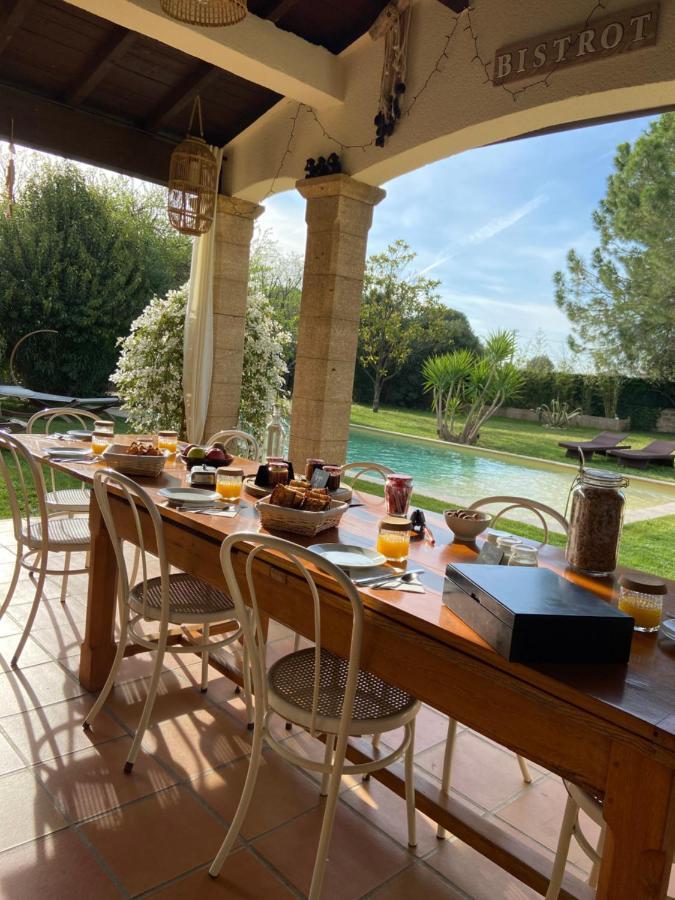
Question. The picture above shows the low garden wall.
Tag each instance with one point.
(602, 423)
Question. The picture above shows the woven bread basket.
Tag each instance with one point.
(300, 521)
(116, 457)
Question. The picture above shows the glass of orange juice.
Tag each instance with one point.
(228, 484)
(642, 598)
(103, 435)
(393, 538)
(167, 440)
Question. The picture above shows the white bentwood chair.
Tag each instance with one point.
(540, 510)
(64, 500)
(238, 438)
(168, 599)
(577, 800)
(364, 468)
(36, 534)
(317, 690)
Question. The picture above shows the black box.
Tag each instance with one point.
(533, 615)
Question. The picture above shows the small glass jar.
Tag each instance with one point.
(229, 483)
(642, 598)
(524, 556)
(277, 473)
(398, 490)
(507, 543)
(334, 476)
(596, 518)
(393, 538)
(167, 440)
(103, 435)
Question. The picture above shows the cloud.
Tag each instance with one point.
(487, 314)
(489, 230)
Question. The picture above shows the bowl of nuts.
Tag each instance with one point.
(138, 458)
(466, 524)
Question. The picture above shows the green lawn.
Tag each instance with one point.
(526, 438)
(644, 545)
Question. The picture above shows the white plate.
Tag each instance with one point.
(68, 453)
(349, 557)
(79, 435)
(668, 629)
(190, 496)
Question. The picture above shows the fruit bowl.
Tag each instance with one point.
(466, 524)
(191, 461)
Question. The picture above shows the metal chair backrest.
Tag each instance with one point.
(25, 487)
(299, 557)
(140, 502)
(540, 510)
(365, 468)
(81, 416)
(251, 447)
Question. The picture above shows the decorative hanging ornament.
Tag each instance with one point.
(193, 182)
(10, 176)
(214, 13)
(394, 23)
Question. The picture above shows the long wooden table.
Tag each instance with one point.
(608, 728)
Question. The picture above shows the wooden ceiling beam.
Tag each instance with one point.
(280, 10)
(12, 19)
(99, 65)
(255, 50)
(79, 134)
(179, 97)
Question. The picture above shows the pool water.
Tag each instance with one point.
(462, 476)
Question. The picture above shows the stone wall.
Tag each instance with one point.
(599, 422)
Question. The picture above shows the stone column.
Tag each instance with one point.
(339, 215)
(234, 231)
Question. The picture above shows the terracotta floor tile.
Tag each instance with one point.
(360, 858)
(198, 741)
(51, 613)
(431, 729)
(31, 655)
(538, 813)
(476, 875)
(42, 734)
(36, 686)
(277, 631)
(387, 811)
(282, 792)
(32, 810)
(133, 668)
(243, 877)
(52, 868)
(418, 881)
(63, 642)
(8, 626)
(24, 592)
(92, 781)
(156, 839)
(481, 771)
(10, 761)
(301, 742)
(177, 694)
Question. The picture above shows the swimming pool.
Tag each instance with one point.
(463, 476)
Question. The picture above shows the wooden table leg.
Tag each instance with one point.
(98, 648)
(640, 811)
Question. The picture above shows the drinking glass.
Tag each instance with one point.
(167, 440)
(229, 483)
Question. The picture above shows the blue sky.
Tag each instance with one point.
(493, 224)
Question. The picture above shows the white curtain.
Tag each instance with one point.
(198, 343)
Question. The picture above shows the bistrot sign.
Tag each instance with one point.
(624, 31)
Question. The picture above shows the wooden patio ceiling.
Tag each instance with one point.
(80, 86)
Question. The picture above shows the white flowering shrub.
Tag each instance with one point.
(149, 375)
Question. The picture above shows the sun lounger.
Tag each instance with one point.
(601, 443)
(658, 453)
(46, 401)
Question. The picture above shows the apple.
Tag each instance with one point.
(215, 454)
(196, 453)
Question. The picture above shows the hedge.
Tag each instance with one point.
(638, 400)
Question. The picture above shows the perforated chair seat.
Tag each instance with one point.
(378, 706)
(71, 532)
(69, 500)
(191, 600)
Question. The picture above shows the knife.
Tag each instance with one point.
(374, 580)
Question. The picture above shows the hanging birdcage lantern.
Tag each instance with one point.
(214, 13)
(193, 182)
